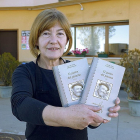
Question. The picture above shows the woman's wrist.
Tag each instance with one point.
(54, 116)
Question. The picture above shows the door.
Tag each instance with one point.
(8, 42)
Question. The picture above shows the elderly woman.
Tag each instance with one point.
(35, 98)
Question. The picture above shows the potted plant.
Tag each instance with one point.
(102, 54)
(131, 79)
(80, 52)
(8, 64)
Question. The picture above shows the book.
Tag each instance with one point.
(102, 85)
(70, 80)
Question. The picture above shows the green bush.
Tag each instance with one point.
(8, 64)
(131, 77)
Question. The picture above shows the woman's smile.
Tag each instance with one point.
(53, 49)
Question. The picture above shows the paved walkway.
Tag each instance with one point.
(125, 127)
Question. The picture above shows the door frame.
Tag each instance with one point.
(17, 39)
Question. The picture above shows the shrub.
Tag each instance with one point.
(131, 77)
(8, 64)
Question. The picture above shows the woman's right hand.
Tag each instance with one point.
(76, 116)
(81, 115)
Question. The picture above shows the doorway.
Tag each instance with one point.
(8, 42)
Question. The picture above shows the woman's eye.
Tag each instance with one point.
(46, 34)
(60, 34)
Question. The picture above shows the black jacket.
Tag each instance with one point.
(33, 89)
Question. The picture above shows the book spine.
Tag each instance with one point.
(89, 80)
(60, 86)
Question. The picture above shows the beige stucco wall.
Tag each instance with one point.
(134, 21)
(19, 20)
(97, 11)
(109, 10)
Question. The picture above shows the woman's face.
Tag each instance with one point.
(52, 42)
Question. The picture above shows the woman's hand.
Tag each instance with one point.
(76, 116)
(113, 111)
(80, 116)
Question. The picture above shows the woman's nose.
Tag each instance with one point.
(53, 39)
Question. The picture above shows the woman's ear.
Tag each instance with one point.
(37, 46)
(36, 43)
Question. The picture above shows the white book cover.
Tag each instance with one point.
(102, 85)
(70, 80)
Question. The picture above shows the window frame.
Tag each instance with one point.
(117, 23)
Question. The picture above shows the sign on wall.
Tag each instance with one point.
(25, 40)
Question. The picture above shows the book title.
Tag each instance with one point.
(74, 74)
(107, 74)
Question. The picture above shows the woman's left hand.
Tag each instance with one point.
(113, 111)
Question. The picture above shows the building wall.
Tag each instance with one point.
(101, 11)
(134, 21)
(18, 20)
(97, 11)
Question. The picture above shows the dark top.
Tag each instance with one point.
(33, 89)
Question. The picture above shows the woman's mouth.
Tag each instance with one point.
(52, 49)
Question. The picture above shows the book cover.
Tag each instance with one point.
(102, 85)
(70, 80)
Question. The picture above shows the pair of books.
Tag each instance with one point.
(97, 84)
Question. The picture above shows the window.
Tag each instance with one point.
(119, 40)
(112, 38)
